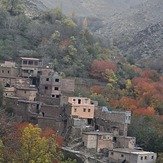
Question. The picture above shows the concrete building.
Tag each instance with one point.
(50, 85)
(132, 155)
(98, 140)
(81, 107)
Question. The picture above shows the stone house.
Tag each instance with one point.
(132, 156)
(81, 107)
(26, 93)
(98, 140)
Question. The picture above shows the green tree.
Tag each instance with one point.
(14, 7)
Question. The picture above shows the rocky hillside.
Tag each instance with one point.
(135, 26)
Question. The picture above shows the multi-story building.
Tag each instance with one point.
(82, 107)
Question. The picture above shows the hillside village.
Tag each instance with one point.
(39, 95)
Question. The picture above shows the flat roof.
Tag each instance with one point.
(26, 58)
(97, 133)
(132, 151)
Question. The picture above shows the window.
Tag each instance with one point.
(2, 71)
(112, 153)
(25, 92)
(8, 72)
(46, 87)
(57, 96)
(56, 80)
(145, 157)
(114, 139)
(84, 109)
(47, 79)
(56, 88)
(53, 95)
(141, 158)
(24, 62)
(89, 110)
(152, 157)
(75, 109)
(36, 63)
(73, 99)
(79, 101)
(30, 62)
(122, 155)
(86, 101)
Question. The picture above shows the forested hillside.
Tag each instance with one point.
(74, 52)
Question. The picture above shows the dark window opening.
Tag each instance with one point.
(53, 95)
(114, 139)
(56, 80)
(84, 109)
(152, 157)
(145, 157)
(79, 101)
(2, 71)
(8, 72)
(25, 92)
(75, 109)
(30, 62)
(24, 62)
(112, 153)
(141, 158)
(46, 87)
(89, 121)
(7, 85)
(122, 155)
(74, 99)
(6, 94)
(56, 88)
(89, 110)
(57, 96)
(47, 79)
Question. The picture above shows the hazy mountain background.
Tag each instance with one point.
(134, 26)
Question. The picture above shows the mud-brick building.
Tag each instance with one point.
(32, 68)
(98, 140)
(8, 73)
(115, 122)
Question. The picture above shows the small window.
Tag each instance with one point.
(6, 94)
(122, 155)
(141, 158)
(56, 80)
(75, 109)
(53, 95)
(25, 92)
(30, 62)
(79, 101)
(89, 110)
(104, 137)
(36, 62)
(56, 88)
(145, 157)
(47, 79)
(46, 87)
(84, 109)
(114, 139)
(152, 157)
(57, 96)
(24, 62)
(73, 99)
(8, 72)
(2, 71)
(86, 101)
(112, 153)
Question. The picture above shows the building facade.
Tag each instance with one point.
(81, 107)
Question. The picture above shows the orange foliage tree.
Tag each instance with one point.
(98, 68)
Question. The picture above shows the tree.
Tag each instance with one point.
(14, 7)
(26, 143)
